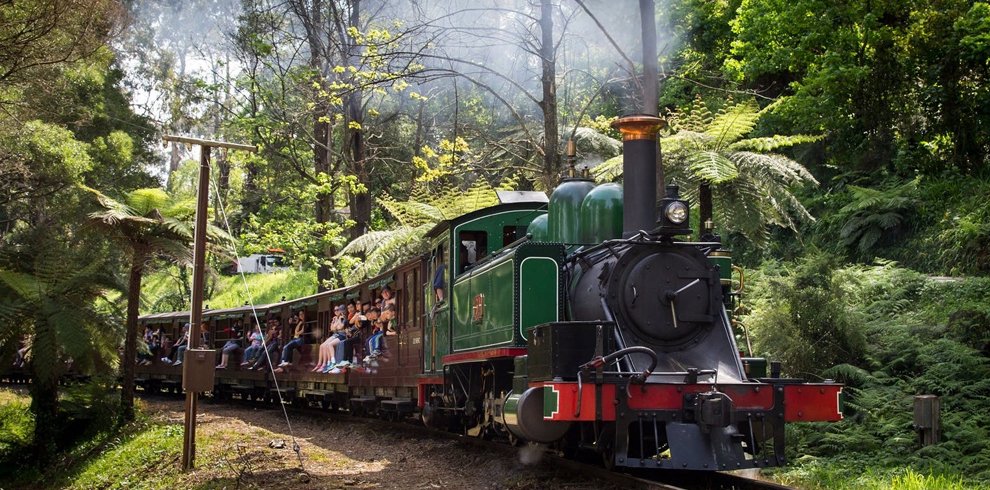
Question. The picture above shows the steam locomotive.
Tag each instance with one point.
(581, 321)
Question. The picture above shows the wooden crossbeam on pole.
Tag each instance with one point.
(199, 265)
(210, 143)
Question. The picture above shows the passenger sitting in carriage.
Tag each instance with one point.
(257, 340)
(348, 349)
(273, 342)
(298, 339)
(327, 353)
(233, 344)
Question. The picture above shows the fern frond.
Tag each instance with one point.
(772, 167)
(366, 243)
(410, 213)
(390, 248)
(771, 143)
(733, 122)
(712, 166)
(608, 171)
(696, 118)
(24, 285)
(143, 201)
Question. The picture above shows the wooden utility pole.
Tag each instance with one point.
(199, 263)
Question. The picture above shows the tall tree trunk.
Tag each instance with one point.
(418, 142)
(360, 202)
(551, 155)
(174, 159)
(323, 206)
(130, 338)
(223, 187)
(251, 198)
(324, 202)
(44, 391)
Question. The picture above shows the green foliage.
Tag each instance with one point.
(16, 426)
(820, 475)
(229, 291)
(160, 292)
(954, 226)
(58, 286)
(801, 318)
(915, 336)
(935, 225)
(130, 463)
(873, 215)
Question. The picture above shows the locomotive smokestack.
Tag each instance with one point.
(639, 170)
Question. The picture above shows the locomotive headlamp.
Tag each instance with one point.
(676, 212)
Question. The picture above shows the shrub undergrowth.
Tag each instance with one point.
(888, 333)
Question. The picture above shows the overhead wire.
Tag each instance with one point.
(254, 313)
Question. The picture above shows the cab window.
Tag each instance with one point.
(439, 273)
(473, 246)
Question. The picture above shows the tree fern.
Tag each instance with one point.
(871, 214)
(380, 250)
(55, 297)
(733, 122)
(752, 188)
(145, 225)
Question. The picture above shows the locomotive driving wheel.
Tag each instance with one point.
(608, 455)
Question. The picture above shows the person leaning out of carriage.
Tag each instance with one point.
(298, 338)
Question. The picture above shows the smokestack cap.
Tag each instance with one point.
(639, 127)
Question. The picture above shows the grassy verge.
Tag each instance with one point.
(148, 457)
(162, 291)
(16, 425)
(831, 476)
(144, 454)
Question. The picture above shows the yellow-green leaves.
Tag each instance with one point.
(434, 165)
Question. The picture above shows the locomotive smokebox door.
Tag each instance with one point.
(199, 370)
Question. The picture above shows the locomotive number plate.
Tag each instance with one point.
(478, 308)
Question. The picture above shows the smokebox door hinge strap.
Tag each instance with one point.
(599, 369)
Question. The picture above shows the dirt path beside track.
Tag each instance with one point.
(234, 448)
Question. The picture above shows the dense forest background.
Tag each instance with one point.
(845, 144)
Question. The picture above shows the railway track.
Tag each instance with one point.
(673, 480)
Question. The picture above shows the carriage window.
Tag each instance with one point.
(473, 247)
